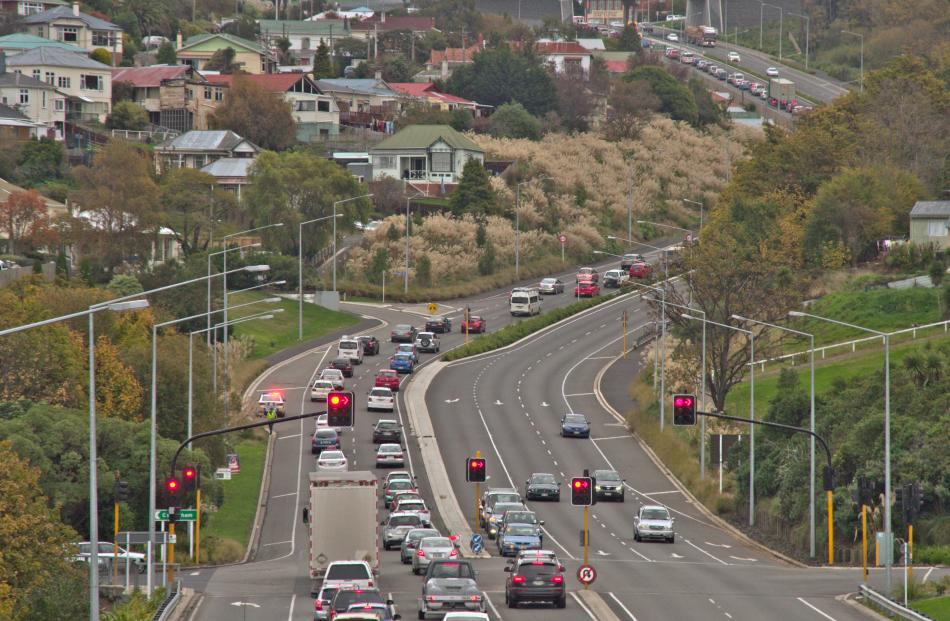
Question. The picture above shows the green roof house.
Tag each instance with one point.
(249, 55)
(425, 154)
(19, 42)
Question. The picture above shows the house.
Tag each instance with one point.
(356, 13)
(248, 55)
(230, 173)
(198, 148)
(304, 36)
(316, 112)
(442, 63)
(17, 127)
(605, 12)
(86, 83)
(428, 93)
(38, 101)
(69, 25)
(53, 208)
(429, 154)
(365, 102)
(379, 22)
(592, 44)
(12, 10)
(175, 96)
(18, 42)
(930, 223)
(565, 56)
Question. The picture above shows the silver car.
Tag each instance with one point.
(653, 522)
(396, 527)
(332, 461)
(389, 455)
(497, 515)
(411, 540)
(493, 495)
(551, 286)
(432, 549)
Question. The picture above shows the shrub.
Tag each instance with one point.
(937, 271)
(101, 55)
(127, 115)
(221, 550)
(932, 555)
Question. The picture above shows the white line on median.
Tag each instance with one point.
(583, 607)
(825, 615)
(619, 603)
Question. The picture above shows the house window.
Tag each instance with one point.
(323, 106)
(103, 38)
(305, 106)
(200, 161)
(384, 161)
(60, 105)
(441, 161)
(69, 34)
(36, 74)
(207, 92)
(62, 81)
(934, 229)
(91, 82)
(305, 43)
(50, 77)
(218, 94)
(44, 100)
(24, 96)
(29, 8)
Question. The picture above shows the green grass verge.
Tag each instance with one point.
(515, 331)
(281, 331)
(232, 522)
(935, 607)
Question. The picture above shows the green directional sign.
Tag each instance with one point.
(182, 515)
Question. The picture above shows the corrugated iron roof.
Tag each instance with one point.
(931, 209)
(66, 12)
(26, 41)
(271, 82)
(205, 140)
(423, 136)
(55, 57)
(229, 167)
(143, 77)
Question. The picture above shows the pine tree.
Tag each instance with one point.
(322, 63)
(474, 193)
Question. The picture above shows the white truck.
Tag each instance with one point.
(342, 520)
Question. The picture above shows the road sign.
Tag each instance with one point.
(433, 308)
(476, 543)
(182, 515)
(234, 463)
(586, 574)
(562, 238)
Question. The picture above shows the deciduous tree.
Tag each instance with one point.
(512, 120)
(166, 54)
(222, 60)
(675, 99)
(261, 117)
(20, 216)
(189, 202)
(629, 105)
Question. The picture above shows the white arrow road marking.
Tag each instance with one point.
(252, 605)
(739, 558)
(602, 553)
(455, 400)
(545, 404)
(497, 402)
(718, 545)
(675, 555)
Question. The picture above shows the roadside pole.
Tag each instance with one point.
(864, 541)
(115, 536)
(831, 526)
(467, 316)
(198, 522)
(478, 493)
(624, 335)
(586, 537)
(910, 551)
(171, 551)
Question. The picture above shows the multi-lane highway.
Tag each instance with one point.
(508, 405)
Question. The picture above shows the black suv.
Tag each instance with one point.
(439, 324)
(535, 581)
(387, 431)
(343, 364)
(370, 345)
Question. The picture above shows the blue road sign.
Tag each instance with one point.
(476, 543)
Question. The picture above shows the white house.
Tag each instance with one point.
(70, 25)
(39, 101)
(565, 56)
(428, 154)
(197, 149)
(86, 83)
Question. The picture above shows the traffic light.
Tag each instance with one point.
(172, 490)
(189, 475)
(121, 491)
(582, 491)
(475, 469)
(340, 409)
(684, 410)
(864, 493)
(911, 501)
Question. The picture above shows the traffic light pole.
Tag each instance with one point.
(828, 476)
(478, 486)
(586, 537)
(864, 541)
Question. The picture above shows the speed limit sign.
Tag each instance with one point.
(562, 238)
(586, 574)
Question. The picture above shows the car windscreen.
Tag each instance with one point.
(532, 571)
(606, 475)
(381, 392)
(401, 485)
(387, 424)
(403, 357)
(520, 299)
(348, 571)
(575, 419)
(501, 507)
(326, 433)
(403, 328)
(655, 514)
(506, 497)
(521, 517)
(405, 520)
(435, 542)
(522, 530)
(319, 385)
(543, 479)
(451, 570)
(416, 535)
(548, 281)
(349, 345)
(343, 599)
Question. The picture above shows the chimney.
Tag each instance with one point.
(444, 73)
(382, 16)
(178, 42)
(76, 9)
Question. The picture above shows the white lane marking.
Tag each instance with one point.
(825, 615)
(672, 491)
(296, 435)
(600, 358)
(705, 552)
(718, 545)
(290, 613)
(711, 601)
(195, 573)
(583, 607)
(740, 558)
(194, 612)
(283, 495)
(927, 575)
(579, 394)
(727, 614)
(632, 549)
(491, 605)
(626, 437)
(622, 607)
(276, 543)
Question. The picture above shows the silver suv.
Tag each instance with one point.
(653, 522)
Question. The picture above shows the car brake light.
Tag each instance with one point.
(476, 598)
(517, 579)
(318, 605)
(454, 554)
(421, 553)
(557, 579)
(430, 598)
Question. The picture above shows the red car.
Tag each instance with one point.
(586, 289)
(475, 324)
(640, 270)
(387, 378)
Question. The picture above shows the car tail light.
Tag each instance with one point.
(421, 554)
(476, 598)
(318, 605)
(430, 598)
(557, 579)
(453, 554)
(517, 579)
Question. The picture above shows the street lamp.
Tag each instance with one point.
(666, 226)
(335, 203)
(861, 36)
(115, 306)
(751, 336)
(300, 266)
(807, 28)
(518, 222)
(887, 430)
(212, 254)
(811, 479)
(701, 209)
(781, 12)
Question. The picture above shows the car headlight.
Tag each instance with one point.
(598, 488)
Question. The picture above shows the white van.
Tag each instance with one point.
(351, 348)
(525, 302)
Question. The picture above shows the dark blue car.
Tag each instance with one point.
(575, 426)
(517, 537)
(402, 363)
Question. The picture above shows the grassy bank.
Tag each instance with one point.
(224, 534)
(936, 607)
(281, 332)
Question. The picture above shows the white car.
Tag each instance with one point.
(389, 455)
(353, 574)
(672, 37)
(734, 57)
(466, 616)
(332, 461)
(320, 389)
(106, 555)
(380, 399)
(334, 375)
(772, 72)
(428, 342)
(672, 17)
(412, 505)
(323, 422)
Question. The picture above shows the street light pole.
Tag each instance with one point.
(300, 268)
(117, 306)
(811, 481)
(211, 254)
(860, 36)
(335, 203)
(701, 209)
(888, 534)
(807, 27)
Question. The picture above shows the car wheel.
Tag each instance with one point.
(561, 602)
(672, 539)
(385, 546)
(512, 602)
(636, 536)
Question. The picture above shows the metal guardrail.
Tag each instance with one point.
(852, 344)
(890, 606)
(167, 607)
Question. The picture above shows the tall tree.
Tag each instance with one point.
(20, 215)
(499, 76)
(474, 193)
(190, 203)
(261, 117)
(166, 54)
(629, 104)
(511, 120)
(322, 63)
(675, 99)
(223, 60)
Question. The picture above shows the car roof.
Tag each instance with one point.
(660, 507)
(390, 445)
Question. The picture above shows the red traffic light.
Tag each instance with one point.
(339, 400)
(189, 473)
(684, 410)
(582, 491)
(475, 473)
(683, 401)
(581, 483)
(172, 485)
(340, 409)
